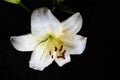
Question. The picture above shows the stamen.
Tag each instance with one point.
(63, 52)
(49, 52)
(61, 48)
(52, 56)
(56, 48)
(62, 55)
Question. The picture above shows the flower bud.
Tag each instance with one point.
(13, 1)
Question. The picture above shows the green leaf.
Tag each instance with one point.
(57, 2)
(54, 1)
(23, 6)
(53, 9)
(66, 9)
(13, 1)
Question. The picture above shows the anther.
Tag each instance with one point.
(61, 48)
(52, 56)
(50, 52)
(56, 48)
(62, 55)
(63, 52)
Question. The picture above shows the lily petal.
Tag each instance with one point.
(23, 43)
(61, 61)
(75, 44)
(44, 22)
(78, 45)
(39, 58)
(72, 24)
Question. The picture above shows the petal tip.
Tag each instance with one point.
(77, 13)
(60, 64)
(85, 38)
(15, 43)
(12, 40)
(35, 66)
(39, 10)
(79, 16)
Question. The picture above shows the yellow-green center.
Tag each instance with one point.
(55, 45)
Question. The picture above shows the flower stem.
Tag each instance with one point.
(23, 6)
(53, 9)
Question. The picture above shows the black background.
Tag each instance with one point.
(89, 65)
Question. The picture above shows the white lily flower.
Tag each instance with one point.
(51, 40)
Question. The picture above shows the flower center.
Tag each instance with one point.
(55, 46)
(60, 53)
